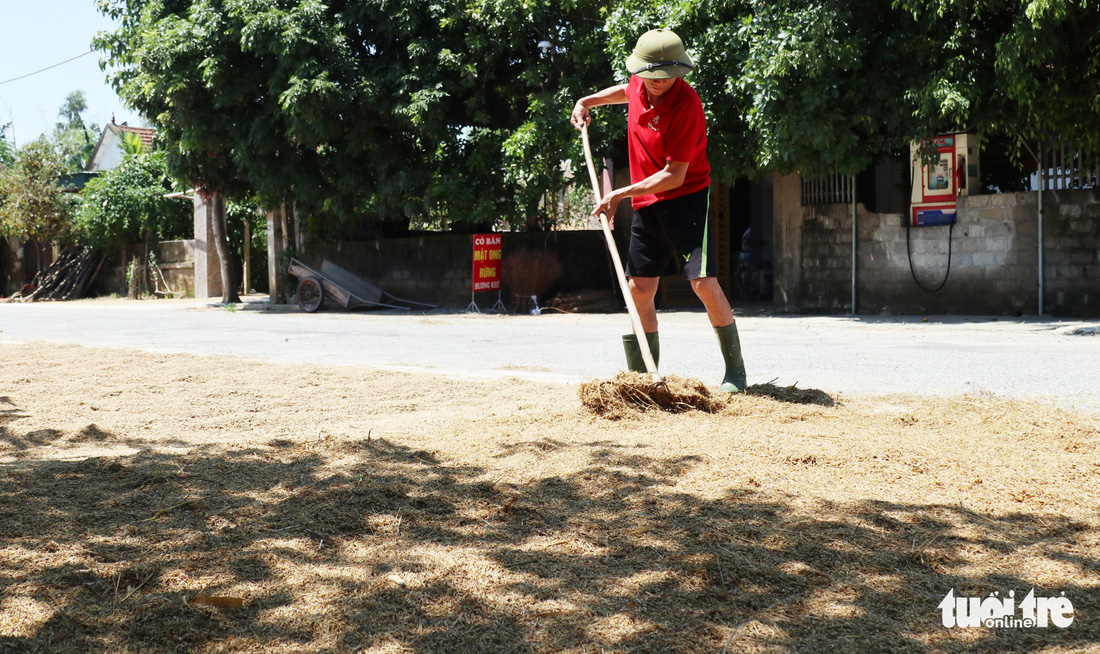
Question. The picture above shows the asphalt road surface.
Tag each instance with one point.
(1051, 360)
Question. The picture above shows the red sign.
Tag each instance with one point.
(486, 262)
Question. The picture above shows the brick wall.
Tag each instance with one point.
(993, 258)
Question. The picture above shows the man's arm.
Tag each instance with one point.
(610, 95)
(670, 177)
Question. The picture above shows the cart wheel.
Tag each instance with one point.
(311, 294)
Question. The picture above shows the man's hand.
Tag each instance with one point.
(580, 116)
(607, 207)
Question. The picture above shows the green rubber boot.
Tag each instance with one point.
(634, 361)
(735, 379)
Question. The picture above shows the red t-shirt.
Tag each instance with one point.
(676, 130)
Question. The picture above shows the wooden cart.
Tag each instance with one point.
(343, 288)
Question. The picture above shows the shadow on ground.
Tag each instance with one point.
(348, 546)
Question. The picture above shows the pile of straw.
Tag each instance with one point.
(630, 392)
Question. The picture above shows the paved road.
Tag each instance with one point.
(1025, 358)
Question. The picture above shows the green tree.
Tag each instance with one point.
(73, 138)
(237, 214)
(823, 85)
(7, 148)
(398, 110)
(32, 205)
(126, 205)
(71, 111)
(806, 85)
(131, 144)
(1027, 70)
(449, 111)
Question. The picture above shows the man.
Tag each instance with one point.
(670, 192)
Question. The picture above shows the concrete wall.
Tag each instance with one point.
(993, 258)
(177, 263)
(438, 268)
(787, 248)
(176, 260)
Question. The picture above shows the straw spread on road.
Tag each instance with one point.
(630, 393)
(167, 502)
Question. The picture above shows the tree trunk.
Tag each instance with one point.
(135, 289)
(225, 257)
(246, 256)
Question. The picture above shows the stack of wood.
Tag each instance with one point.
(67, 279)
(586, 302)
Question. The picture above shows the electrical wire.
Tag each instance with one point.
(909, 251)
(16, 79)
(909, 248)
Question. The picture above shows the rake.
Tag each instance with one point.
(632, 309)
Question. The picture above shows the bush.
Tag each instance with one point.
(127, 205)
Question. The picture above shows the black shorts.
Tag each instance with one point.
(671, 236)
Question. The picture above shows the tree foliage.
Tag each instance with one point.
(823, 85)
(72, 137)
(1029, 70)
(394, 108)
(32, 204)
(127, 205)
(7, 148)
(447, 110)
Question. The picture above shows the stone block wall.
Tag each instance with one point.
(989, 259)
(827, 257)
(1071, 258)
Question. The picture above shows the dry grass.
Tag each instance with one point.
(345, 510)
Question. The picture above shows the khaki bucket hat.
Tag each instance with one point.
(659, 54)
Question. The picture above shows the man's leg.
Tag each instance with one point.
(718, 307)
(721, 318)
(687, 229)
(643, 290)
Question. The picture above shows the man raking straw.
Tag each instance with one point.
(670, 192)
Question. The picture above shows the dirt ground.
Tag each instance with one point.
(162, 503)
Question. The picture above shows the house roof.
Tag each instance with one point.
(146, 133)
(104, 155)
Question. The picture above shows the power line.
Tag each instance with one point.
(15, 79)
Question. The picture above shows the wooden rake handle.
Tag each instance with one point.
(631, 308)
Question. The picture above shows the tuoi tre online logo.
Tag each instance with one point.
(997, 611)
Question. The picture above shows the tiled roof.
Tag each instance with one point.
(146, 133)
